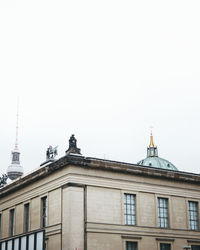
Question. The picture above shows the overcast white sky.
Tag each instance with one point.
(105, 71)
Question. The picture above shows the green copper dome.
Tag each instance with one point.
(157, 162)
(153, 160)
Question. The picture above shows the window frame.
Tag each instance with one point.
(165, 243)
(26, 229)
(158, 212)
(131, 241)
(189, 217)
(195, 245)
(124, 203)
(38, 238)
(44, 217)
(12, 222)
(0, 224)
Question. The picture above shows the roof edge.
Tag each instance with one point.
(101, 164)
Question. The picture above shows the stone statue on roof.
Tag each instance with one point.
(3, 180)
(51, 152)
(73, 146)
(72, 142)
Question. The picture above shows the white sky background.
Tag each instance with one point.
(105, 71)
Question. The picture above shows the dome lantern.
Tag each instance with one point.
(152, 149)
(152, 159)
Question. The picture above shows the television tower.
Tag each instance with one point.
(15, 170)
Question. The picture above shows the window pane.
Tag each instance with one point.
(195, 247)
(44, 211)
(39, 244)
(31, 242)
(163, 212)
(129, 209)
(16, 244)
(12, 217)
(26, 217)
(131, 245)
(23, 243)
(164, 246)
(9, 246)
(0, 223)
(193, 215)
(3, 246)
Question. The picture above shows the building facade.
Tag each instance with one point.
(83, 203)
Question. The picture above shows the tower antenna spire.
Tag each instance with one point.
(15, 170)
(17, 125)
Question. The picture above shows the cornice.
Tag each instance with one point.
(99, 164)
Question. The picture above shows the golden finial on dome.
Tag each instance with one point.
(151, 145)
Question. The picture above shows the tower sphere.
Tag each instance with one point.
(15, 170)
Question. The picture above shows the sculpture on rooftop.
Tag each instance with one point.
(73, 146)
(51, 153)
(72, 142)
(3, 180)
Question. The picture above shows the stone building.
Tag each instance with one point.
(83, 203)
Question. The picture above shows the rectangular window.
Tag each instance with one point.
(193, 215)
(163, 213)
(26, 217)
(196, 247)
(129, 209)
(0, 224)
(12, 221)
(131, 245)
(28, 241)
(44, 211)
(164, 246)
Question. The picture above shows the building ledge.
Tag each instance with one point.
(99, 164)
